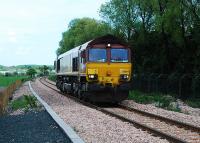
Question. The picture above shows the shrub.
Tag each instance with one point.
(26, 101)
(52, 77)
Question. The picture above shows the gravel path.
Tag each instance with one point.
(23, 90)
(194, 120)
(90, 124)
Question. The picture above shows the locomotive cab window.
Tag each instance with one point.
(97, 55)
(54, 65)
(119, 55)
(58, 65)
(83, 57)
(75, 64)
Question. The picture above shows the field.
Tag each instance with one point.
(5, 81)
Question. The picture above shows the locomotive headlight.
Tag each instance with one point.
(124, 77)
(93, 76)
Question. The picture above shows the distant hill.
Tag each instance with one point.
(2, 67)
(28, 66)
(21, 67)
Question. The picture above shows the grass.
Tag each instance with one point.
(157, 99)
(6, 81)
(25, 101)
(52, 77)
(195, 103)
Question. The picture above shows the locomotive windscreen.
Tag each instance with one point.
(119, 55)
(97, 55)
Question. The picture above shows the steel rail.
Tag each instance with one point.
(135, 123)
(171, 121)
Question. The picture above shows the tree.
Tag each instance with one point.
(121, 15)
(80, 31)
(31, 72)
(44, 70)
(163, 34)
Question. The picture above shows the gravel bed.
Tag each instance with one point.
(192, 116)
(194, 120)
(52, 82)
(159, 125)
(92, 125)
(187, 109)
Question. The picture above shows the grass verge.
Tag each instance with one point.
(157, 99)
(52, 78)
(26, 101)
(7, 80)
(195, 103)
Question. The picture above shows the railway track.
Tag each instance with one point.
(172, 130)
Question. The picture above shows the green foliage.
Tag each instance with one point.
(31, 72)
(19, 104)
(81, 31)
(44, 70)
(139, 98)
(7, 80)
(31, 101)
(121, 15)
(2, 67)
(195, 103)
(164, 34)
(52, 77)
(26, 101)
(159, 100)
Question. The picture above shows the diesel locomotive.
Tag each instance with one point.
(99, 70)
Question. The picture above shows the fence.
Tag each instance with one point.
(5, 94)
(181, 86)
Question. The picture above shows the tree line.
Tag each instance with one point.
(164, 35)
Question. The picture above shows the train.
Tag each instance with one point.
(98, 70)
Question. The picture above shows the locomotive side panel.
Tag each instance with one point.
(65, 64)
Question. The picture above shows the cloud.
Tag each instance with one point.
(31, 29)
(22, 51)
(12, 36)
(1, 49)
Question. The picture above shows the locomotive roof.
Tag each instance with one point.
(107, 39)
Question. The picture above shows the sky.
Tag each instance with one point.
(30, 30)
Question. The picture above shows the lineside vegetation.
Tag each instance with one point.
(7, 80)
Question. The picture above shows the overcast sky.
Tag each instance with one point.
(30, 30)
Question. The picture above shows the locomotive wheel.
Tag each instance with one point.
(80, 94)
(75, 92)
(62, 88)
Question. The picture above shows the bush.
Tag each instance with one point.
(52, 77)
(26, 101)
(159, 100)
(6, 81)
(195, 103)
